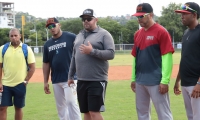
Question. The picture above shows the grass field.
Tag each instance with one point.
(120, 103)
(120, 100)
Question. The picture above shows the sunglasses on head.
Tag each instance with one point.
(140, 17)
(184, 7)
(88, 19)
(51, 26)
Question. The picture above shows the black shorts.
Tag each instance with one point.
(91, 95)
(14, 95)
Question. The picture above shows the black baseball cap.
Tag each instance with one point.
(189, 7)
(88, 12)
(51, 21)
(142, 9)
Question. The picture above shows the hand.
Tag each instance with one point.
(196, 91)
(1, 87)
(86, 49)
(133, 86)
(70, 82)
(177, 90)
(46, 88)
(163, 88)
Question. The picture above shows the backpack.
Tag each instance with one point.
(24, 49)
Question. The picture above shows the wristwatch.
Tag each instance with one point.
(25, 82)
(198, 82)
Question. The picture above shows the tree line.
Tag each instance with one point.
(121, 29)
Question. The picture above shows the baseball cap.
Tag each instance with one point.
(189, 7)
(51, 21)
(89, 12)
(142, 9)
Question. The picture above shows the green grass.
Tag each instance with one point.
(121, 60)
(176, 57)
(39, 106)
(120, 103)
(38, 63)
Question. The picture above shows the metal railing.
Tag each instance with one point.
(119, 48)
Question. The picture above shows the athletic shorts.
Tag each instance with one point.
(14, 95)
(91, 95)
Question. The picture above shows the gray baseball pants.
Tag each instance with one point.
(192, 105)
(161, 102)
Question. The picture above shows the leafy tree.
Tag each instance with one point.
(33, 39)
(4, 35)
(72, 25)
(41, 30)
(172, 21)
(132, 25)
(111, 26)
(18, 19)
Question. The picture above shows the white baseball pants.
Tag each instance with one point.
(66, 102)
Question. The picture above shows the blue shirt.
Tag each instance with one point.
(58, 53)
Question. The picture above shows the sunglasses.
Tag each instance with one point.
(184, 7)
(51, 26)
(142, 16)
(88, 19)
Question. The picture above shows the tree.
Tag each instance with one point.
(111, 26)
(132, 25)
(172, 21)
(4, 35)
(72, 25)
(18, 20)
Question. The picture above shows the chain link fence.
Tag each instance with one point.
(119, 48)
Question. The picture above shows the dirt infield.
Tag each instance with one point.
(114, 73)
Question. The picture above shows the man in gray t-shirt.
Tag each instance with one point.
(93, 47)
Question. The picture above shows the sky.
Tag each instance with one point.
(74, 8)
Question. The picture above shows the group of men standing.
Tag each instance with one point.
(82, 60)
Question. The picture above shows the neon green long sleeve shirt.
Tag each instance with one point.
(167, 63)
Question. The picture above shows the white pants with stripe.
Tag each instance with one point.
(192, 105)
(144, 94)
(66, 102)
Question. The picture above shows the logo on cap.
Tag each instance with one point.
(187, 5)
(139, 8)
(87, 11)
(50, 20)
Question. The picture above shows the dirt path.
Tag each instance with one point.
(114, 73)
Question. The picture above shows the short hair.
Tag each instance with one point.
(14, 29)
